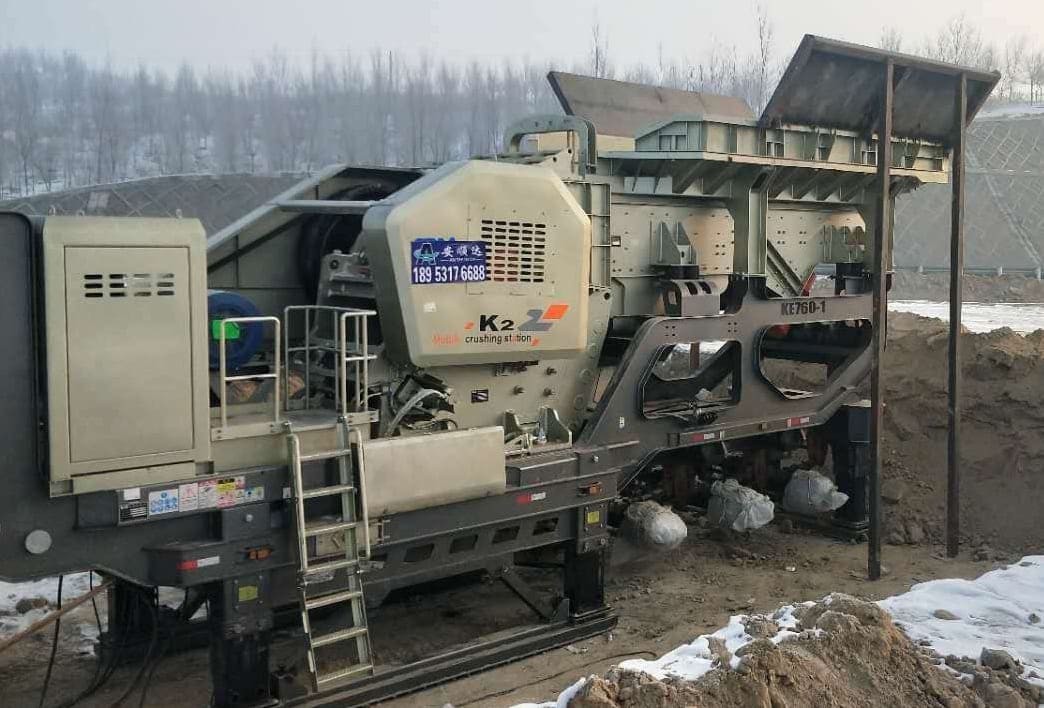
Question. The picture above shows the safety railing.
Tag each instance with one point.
(274, 374)
(348, 341)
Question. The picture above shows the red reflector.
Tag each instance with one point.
(188, 565)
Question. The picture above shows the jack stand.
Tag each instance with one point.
(240, 628)
(849, 432)
(585, 580)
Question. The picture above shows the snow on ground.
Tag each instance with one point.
(980, 316)
(74, 585)
(996, 611)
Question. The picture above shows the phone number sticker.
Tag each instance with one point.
(435, 261)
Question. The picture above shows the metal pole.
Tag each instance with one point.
(882, 241)
(953, 453)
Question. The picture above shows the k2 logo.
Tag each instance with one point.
(538, 320)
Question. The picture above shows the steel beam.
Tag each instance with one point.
(953, 452)
(882, 241)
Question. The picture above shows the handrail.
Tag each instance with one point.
(223, 365)
(361, 481)
(360, 356)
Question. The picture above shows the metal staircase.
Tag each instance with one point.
(330, 518)
(346, 651)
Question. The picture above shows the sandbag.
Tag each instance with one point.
(811, 492)
(733, 506)
(651, 525)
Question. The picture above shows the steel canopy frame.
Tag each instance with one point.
(893, 95)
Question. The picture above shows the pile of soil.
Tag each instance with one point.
(1002, 436)
(847, 653)
(907, 285)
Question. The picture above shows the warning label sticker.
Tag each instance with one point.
(188, 496)
(164, 501)
(231, 491)
(208, 494)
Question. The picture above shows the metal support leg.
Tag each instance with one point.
(849, 432)
(240, 628)
(953, 388)
(585, 580)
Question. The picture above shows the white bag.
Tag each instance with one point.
(733, 506)
(649, 524)
(810, 492)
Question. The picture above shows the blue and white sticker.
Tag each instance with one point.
(435, 261)
(163, 502)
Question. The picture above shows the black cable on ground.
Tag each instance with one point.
(145, 662)
(504, 692)
(54, 645)
(104, 674)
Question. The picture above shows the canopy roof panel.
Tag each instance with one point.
(622, 108)
(838, 85)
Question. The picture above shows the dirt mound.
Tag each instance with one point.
(844, 652)
(1002, 438)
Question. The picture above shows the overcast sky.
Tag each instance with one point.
(229, 33)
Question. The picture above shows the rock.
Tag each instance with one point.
(30, 603)
(595, 693)
(718, 650)
(915, 532)
(837, 622)
(761, 627)
(895, 538)
(999, 695)
(1034, 618)
(892, 490)
(997, 659)
(982, 553)
(944, 615)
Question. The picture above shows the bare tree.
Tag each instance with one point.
(1035, 74)
(25, 106)
(891, 39)
(599, 60)
(1015, 50)
(763, 71)
(958, 42)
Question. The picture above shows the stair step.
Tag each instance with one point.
(345, 673)
(327, 491)
(322, 527)
(339, 636)
(332, 599)
(324, 455)
(330, 565)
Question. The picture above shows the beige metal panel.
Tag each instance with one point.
(132, 477)
(534, 307)
(797, 235)
(127, 374)
(403, 474)
(129, 356)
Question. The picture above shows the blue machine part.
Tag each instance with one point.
(241, 341)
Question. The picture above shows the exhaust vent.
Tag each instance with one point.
(98, 285)
(515, 251)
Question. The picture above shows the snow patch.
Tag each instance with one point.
(1023, 318)
(993, 611)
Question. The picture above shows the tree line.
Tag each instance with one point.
(66, 123)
